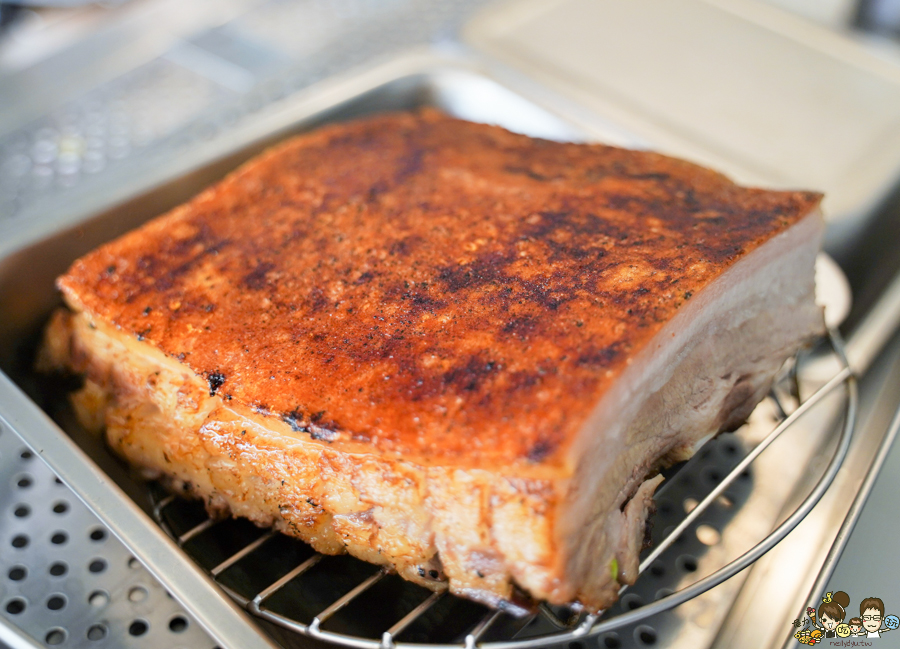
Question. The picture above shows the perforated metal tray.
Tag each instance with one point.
(66, 581)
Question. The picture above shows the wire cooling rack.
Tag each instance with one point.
(347, 602)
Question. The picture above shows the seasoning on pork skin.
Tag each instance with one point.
(441, 346)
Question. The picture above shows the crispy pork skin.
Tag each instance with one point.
(441, 346)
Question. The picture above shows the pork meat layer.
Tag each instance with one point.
(441, 346)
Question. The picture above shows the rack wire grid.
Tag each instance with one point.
(348, 602)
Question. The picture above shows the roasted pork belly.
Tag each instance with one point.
(441, 346)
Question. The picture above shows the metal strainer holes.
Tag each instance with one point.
(97, 565)
(138, 627)
(576, 645)
(26, 455)
(689, 504)
(56, 602)
(178, 624)
(645, 635)
(137, 594)
(15, 606)
(98, 598)
(687, 563)
(65, 578)
(55, 636)
(611, 641)
(632, 602)
(133, 563)
(708, 535)
(712, 475)
(657, 569)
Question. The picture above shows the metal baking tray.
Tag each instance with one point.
(41, 250)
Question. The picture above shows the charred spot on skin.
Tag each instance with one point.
(521, 327)
(215, 380)
(471, 375)
(402, 247)
(296, 421)
(255, 280)
(147, 310)
(601, 357)
(317, 300)
(541, 450)
(649, 176)
(531, 173)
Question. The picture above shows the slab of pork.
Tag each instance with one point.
(443, 347)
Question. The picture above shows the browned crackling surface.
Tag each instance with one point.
(420, 285)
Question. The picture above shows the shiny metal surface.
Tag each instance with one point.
(65, 580)
(843, 535)
(212, 609)
(164, 74)
(785, 577)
